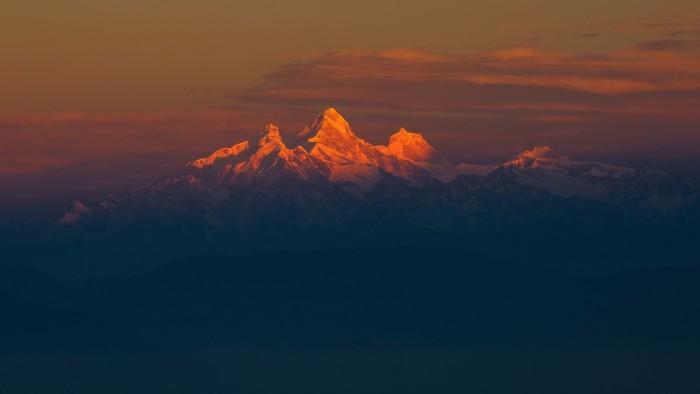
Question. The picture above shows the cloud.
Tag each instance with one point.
(689, 24)
(670, 45)
(508, 80)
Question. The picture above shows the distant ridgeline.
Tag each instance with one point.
(327, 188)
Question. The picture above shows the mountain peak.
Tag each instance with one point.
(331, 113)
(331, 135)
(270, 129)
(544, 157)
(270, 136)
(543, 152)
(410, 145)
(537, 157)
(327, 122)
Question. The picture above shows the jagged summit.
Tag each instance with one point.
(543, 152)
(332, 114)
(561, 176)
(270, 128)
(328, 145)
(330, 136)
(546, 158)
(327, 122)
(537, 157)
(271, 135)
(411, 146)
(328, 149)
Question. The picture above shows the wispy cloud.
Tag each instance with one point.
(670, 45)
(511, 79)
(688, 24)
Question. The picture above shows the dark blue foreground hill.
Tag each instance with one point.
(365, 296)
(378, 318)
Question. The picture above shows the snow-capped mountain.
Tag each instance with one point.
(543, 167)
(546, 158)
(328, 149)
(326, 178)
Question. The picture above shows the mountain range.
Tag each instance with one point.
(326, 187)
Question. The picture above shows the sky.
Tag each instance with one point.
(100, 96)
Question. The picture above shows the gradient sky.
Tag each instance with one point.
(108, 94)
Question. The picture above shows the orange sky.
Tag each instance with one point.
(97, 95)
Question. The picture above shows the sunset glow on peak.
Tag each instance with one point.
(410, 145)
(331, 113)
(271, 134)
(329, 121)
(542, 152)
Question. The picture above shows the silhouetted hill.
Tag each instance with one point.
(442, 318)
(382, 295)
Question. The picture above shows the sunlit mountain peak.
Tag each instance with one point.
(411, 146)
(327, 124)
(328, 149)
(270, 135)
(544, 152)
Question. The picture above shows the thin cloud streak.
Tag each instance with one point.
(520, 78)
(688, 25)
